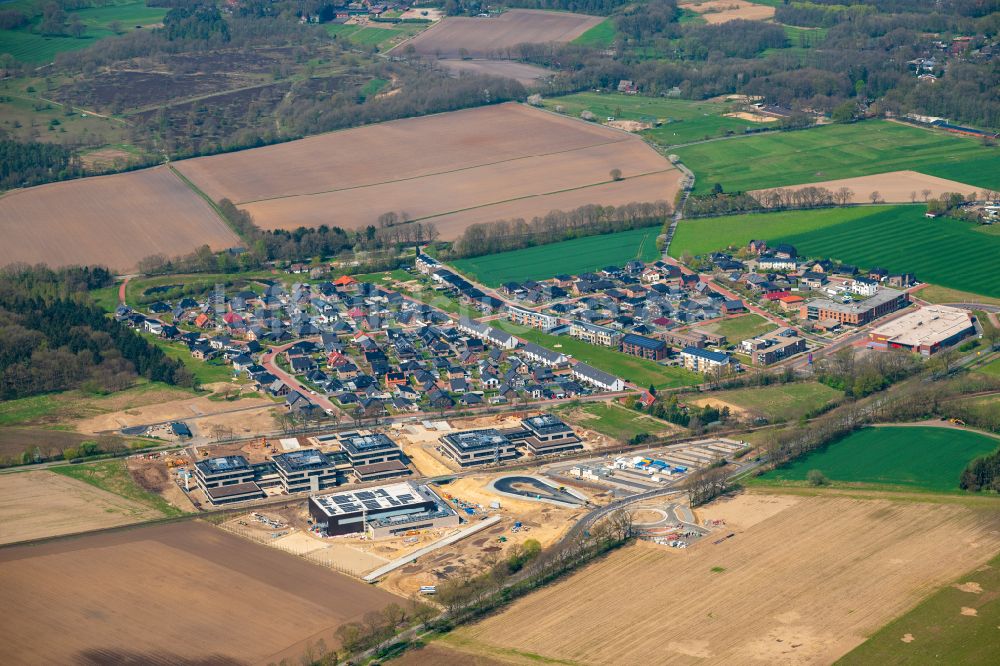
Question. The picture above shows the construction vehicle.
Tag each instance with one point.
(956, 422)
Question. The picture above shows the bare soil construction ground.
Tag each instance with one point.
(457, 36)
(752, 117)
(180, 593)
(526, 74)
(722, 11)
(41, 504)
(456, 168)
(110, 220)
(244, 416)
(894, 187)
(805, 584)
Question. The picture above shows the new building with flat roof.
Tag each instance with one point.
(857, 313)
(703, 360)
(546, 434)
(478, 447)
(382, 511)
(524, 317)
(227, 479)
(374, 456)
(774, 346)
(925, 331)
(306, 470)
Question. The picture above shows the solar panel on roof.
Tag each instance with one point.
(351, 507)
(392, 501)
(364, 494)
(382, 492)
(406, 498)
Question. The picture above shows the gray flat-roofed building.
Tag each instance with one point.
(222, 471)
(383, 510)
(306, 470)
(369, 449)
(478, 447)
(240, 492)
(547, 434)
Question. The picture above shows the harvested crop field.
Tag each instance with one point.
(894, 187)
(723, 11)
(455, 169)
(110, 220)
(180, 593)
(524, 73)
(804, 585)
(34, 505)
(461, 36)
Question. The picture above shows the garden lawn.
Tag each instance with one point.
(614, 421)
(601, 35)
(839, 151)
(571, 257)
(639, 371)
(683, 121)
(915, 458)
(777, 402)
(740, 328)
(941, 633)
(900, 239)
(28, 46)
(205, 372)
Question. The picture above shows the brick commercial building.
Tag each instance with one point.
(382, 511)
(925, 331)
(855, 313)
(643, 347)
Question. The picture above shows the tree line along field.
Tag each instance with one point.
(683, 121)
(27, 45)
(925, 458)
(839, 151)
(944, 251)
(571, 257)
(774, 593)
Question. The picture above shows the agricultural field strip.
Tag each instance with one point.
(403, 148)
(441, 173)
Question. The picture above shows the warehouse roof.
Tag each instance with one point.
(926, 326)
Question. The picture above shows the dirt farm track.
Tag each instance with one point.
(180, 593)
(803, 581)
(110, 220)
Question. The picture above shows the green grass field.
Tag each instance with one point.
(741, 328)
(911, 458)
(785, 402)
(571, 257)
(992, 368)
(112, 476)
(641, 371)
(600, 36)
(944, 251)
(839, 151)
(941, 633)
(205, 372)
(684, 121)
(28, 46)
(937, 294)
(613, 420)
(382, 36)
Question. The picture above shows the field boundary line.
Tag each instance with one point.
(427, 175)
(214, 206)
(543, 194)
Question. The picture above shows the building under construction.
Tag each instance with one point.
(382, 511)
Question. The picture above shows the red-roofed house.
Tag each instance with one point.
(344, 281)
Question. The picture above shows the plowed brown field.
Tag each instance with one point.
(110, 220)
(722, 11)
(181, 593)
(804, 585)
(475, 165)
(479, 36)
(894, 186)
